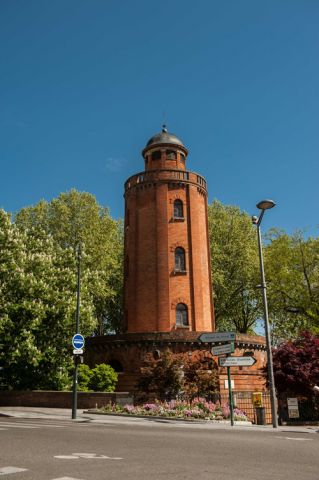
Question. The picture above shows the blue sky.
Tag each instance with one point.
(85, 84)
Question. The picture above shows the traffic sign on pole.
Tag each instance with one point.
(222, 349)
(217, 337)
(78, 341)
(78, 351)
(236, 361)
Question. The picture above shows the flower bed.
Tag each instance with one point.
(199, 408)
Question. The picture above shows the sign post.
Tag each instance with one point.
(78, 340)
(236, 361)
(229, 362)
(226, 348)
(230, 393)
(293, 410)
(217, 337)
(222, 349)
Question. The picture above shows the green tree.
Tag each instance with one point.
(235, 268)
(103, 378)
(76, 217)
(37, 308)
(292, 270)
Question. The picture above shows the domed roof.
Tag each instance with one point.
(164, 137)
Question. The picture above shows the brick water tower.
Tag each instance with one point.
(167, 277)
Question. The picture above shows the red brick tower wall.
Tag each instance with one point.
(153, 286)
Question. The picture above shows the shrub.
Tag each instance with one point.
(103, 379)
(177, 375)
(161, 377)
(84, 377)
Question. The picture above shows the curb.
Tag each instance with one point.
(169, 419)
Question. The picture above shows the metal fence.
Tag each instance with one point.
(308, 408)
(243, 401)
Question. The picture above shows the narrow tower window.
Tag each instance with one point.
(181, 315)
(170, 155)
(156, 155)
(178, 209)
(179, 260)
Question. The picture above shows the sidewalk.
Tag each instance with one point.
(63, 414)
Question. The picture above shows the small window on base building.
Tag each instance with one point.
(181, 315)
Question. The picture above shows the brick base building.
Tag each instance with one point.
(126, 353)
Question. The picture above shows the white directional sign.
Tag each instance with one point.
(217, 337)
(236, 361)
(221, 349)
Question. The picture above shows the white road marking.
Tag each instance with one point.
(18, 425)
(66, 478)
(296, 438)
(8, 470)
(94, 455)
(32, 425)
(66, 457)
(76, 456)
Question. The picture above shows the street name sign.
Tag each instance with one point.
(217, 337)
(236, 361)
(221, 349)
(78, 341)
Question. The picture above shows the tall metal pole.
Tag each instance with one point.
(271, 379)
(230, 395)
(77, 328)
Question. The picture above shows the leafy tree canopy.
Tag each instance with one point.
(76, 217)
(37, 308)
(292, 269)
(235, 268)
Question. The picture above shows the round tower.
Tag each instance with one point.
(167, 278)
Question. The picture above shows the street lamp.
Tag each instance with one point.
(263, 206)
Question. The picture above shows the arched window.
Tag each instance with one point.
(116, 365)
(178, 209)
(156, 155)
(170, 155)
(179, 260)
(181, 314)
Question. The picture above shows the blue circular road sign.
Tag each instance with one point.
(78, 341)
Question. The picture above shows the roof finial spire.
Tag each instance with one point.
(164, 128)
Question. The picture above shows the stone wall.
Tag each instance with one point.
(62, 399)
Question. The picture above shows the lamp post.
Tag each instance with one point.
(263, 206)
(77, 328)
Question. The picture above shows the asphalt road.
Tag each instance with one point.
(49, 449)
